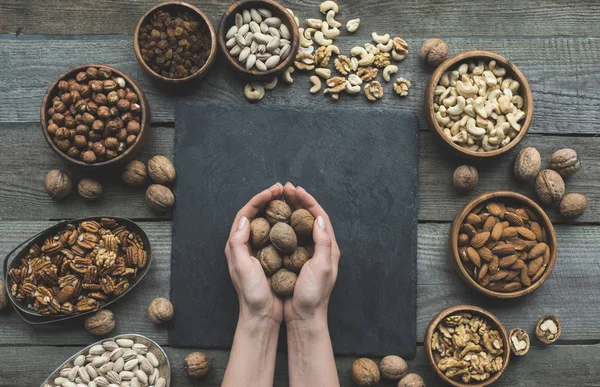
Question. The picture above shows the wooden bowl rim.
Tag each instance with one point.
(509, 195)
(511, 68)
(290, 23)
(213, 42)
(469, 309)
(145, 122)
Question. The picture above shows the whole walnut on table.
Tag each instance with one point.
(159, 197)
(365, 372)
(160, 311)
(100, 323)
(197, 365)
(134, 173)
(58, 184)
(161, 170)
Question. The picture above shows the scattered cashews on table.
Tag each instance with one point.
(254, 91)
(316, 82)
(388, 71)
(326, 6)
(287, 75)
(352, 25)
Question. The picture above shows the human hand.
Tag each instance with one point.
(256, 299)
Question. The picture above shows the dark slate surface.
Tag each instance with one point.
(360, 164)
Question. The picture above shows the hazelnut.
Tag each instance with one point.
(123, 105)
(161, 170)
(81, 77)
(393, 367)
(112, 98)
(411, 380)
(3, 296)
(88, 157)
(96, 86)
(130, 140)
(100, 323)
(302, 222)
(133, 127)
(159, 197)
(160, 311)
(565, 162)
(297, 259)
(99, 149)
(111, 143)
(283, 282)
(89, 189)
(270, 259)
(365, 372)
(259, 232)
(197, 365)
(132, 97)
(466, 178)
(527, 164)
(434, 51)
(80, 141)
(548, 329)
(104, 73)
(58, 184)
(103, 113)
(109, 85)
(134, 173)
(283, 238)
(549, 186)
(277, 211)
(92, 72)
(573, 205)
(519, 341)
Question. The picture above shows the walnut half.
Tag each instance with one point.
(547, 329)
(519, 341)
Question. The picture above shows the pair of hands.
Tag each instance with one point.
(316, 279)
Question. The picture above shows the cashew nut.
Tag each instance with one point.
(386, 47)
(354, 62)
(308, 33)
(321, 40)
(517, 100)
(443, 121)
(352, 89)
(469, 110)
(474, 130)
(451, 99)
(326, 6)
(371, 48)
(454, 77)
(330, 18)
(479, 68)
(304, 42)
(479, 107)
(332, 49)
(306, 50)
(388, 71)
(323, 72)
(505, 103)
(254, 91)
(330, 33)
(397, 56)
(354, 80)
(460, 138)
(439, 89)
(270, 84)
(445, 79)
(287, 75)
(352, 25)
(314, 23)
(459, 107)
(466, 90)
(463, 68)
(358, 51)
(497, 70)
(366, 60)
(489, 78)
(383, 39)
(316, 82)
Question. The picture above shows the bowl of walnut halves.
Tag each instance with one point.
(76, 267)
(467, 346)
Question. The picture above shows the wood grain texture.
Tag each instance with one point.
(571, 292)
(562, 365)
(429, 17)
(562, 73)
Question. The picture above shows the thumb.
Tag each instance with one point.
(238, 242)
(323, 243)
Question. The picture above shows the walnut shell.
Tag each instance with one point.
(159, 197)
(160, 311)
(134, 173)
(270, 259)
(297, 259)
(284, 238)
(547, 329)
(100, 323)
(365, 372)
(393, 367)
(89, 189)
(527, 164)
(466, 178)
(3, 296)
(161, 170)
(277, 211)
(549, 186)
(565, 162)
(197, 365)
(259, 232)
(411, 380)
(58, 184)
(283, 282)
(434, 51)
(573, 205)
(302, 222)
(519, 341)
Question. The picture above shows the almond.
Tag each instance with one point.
(480, 239)
(518, 265)
(547, 256)
(512, 287)
(485, 281)
(514, 219)
(512, 274)
(462, 253)
(525, 280)
(534, 265)
(496, 233)
(499, 276)
(496, 209)
(505, 249)
(509, 232)
(526, 233)
(538, 231)
(485, 254)
(539, 274)
(493, 265)
(489, 224)
(473, 256)
(482, 272)
(473, 219)
(468, 229)
(507, 261)
(538, 250)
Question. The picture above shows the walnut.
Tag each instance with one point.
(565, 162)
(302, 222)
(89, 189)
(160, 311)
(547, 329)
(400, 46)
(549, 186)
(393, 367)
(411, 380)
(277, 211)
(527, 164)
(134, 173)
(343, 64)
(434, 51)
(573, 205)
(401, 86)
(197, 365)
(367, 74)
(161, 170)
(373, 91)
(58, 184)
(100, 323)
(270, 259)
(283, 237)
(159, 197)
(305, 61)
(259, 232)
(297, 259)
(450, 362)
(335, 85)
(3, 296)
(382, 59)
(365, 372)
(519, 341)
(466, 178)
(283, 282)
(322, 56)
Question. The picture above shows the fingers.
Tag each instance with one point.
(238, 241)
(308, 202)
(323, 245)
(289, 191)
(256, 204)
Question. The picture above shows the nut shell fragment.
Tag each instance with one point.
(547, 329)
(519, 341)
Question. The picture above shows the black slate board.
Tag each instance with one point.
(360, 164)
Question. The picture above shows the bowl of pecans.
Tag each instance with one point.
(467, 346)
(76, 267)
(503, 244)
(175, 42)
(95, 116)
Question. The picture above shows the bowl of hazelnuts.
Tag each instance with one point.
(94, 116)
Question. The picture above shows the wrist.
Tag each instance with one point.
(308, 326)
(256, 324)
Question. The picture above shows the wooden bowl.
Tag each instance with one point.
(502, 196)
(279, 11)
(494, 323)
(123, 157)
(511, 69)
(169, 6)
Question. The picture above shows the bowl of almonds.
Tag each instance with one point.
(503, 244)
(259, 38)
(479, 103)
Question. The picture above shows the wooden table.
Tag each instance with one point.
(556, 45)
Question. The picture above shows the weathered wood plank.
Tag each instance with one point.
(416, 17)
(562, 73)
(571, 292)
(572, 366)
